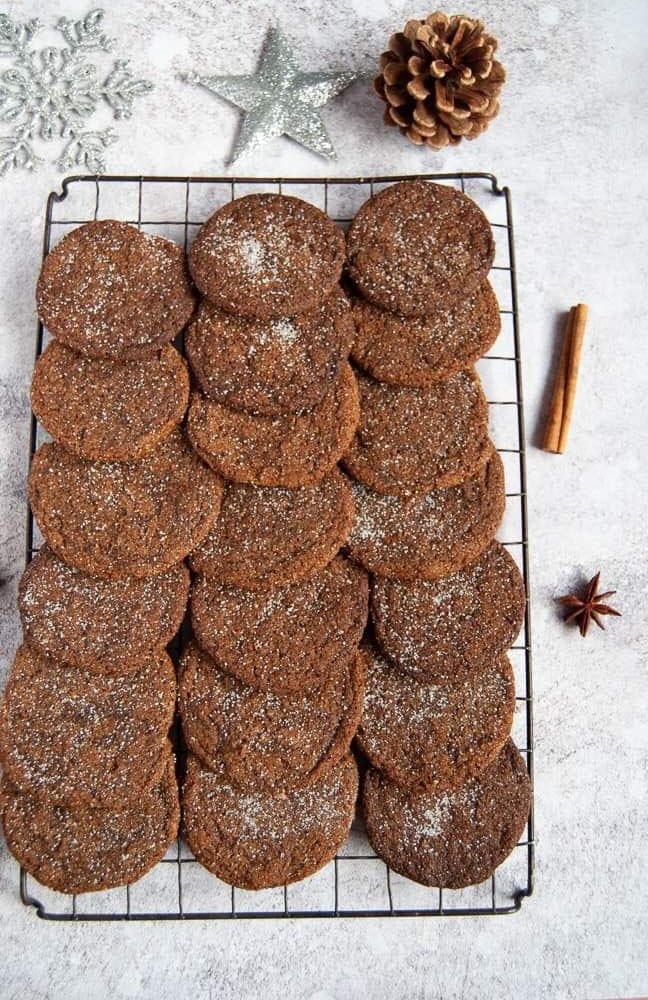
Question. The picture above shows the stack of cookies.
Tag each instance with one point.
(447, 793)
(271, 686)
(89, 794)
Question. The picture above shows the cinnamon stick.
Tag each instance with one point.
(571, 380)
(564, 391)
(554, 421)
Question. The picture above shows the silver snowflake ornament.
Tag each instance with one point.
(52, 93)
(279, 99)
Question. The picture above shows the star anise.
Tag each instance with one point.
(591, 606)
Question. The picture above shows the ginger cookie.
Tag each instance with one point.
(112, 411)
(434, 736)
(269, 537)
(76, 739)
(286, 640)
(103, 626)
(270, 366)
(82, 848)
(296, 449)
(416, 247)
(440, 631)
(263, 740)
(450, 839)
(429, 536)
(119, 519)
(414, 440)
(418, 351)
(258, 839)
(267, 255)
(109, 291)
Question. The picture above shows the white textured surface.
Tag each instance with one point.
(572, 142)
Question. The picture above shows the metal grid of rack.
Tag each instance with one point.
(356, 883)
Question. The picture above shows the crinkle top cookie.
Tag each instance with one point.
(267, 255)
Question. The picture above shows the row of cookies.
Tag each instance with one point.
(90, 797)
(271, 685)
(276, 401)
(270, 698)
(447, 793)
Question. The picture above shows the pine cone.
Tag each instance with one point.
(440, 80)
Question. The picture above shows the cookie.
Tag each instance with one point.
(109, 291)
(262, 740)
(441, 631)
(450, 839)
(297, 449)
(82, 848)
(418, 351)
(428, 536)
(119, 519)
(416, 247)
(286, 640)
(112, 411)
(267, 255)
(434, 736)
(270, 366)
(103, 626)
(415, 440)
(269, 537)
(80, 739)
(258, 839)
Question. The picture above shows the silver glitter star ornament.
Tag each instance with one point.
(279, 99)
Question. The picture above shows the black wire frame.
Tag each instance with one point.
(435, 906)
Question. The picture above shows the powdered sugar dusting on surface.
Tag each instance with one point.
(94, 847)
(281, 332)
(370, 522)
(428, 819)
(285, 331)
(97, 287)
(124, 518)
(260, 256)
(435, 817)
(322, 810)
(269, 536)
(393, 246)
(418, 350)
(451, 838)
(276, 255)
(287, 638)
(382, 516)
(89, 738)
(433, 735)
(260, 738)
(253, 254)
(428, 535)
(445, 626)
(414, 439)
(102, 625)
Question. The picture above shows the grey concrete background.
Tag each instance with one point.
(572, 142)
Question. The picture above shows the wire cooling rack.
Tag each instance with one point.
(356, 883)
